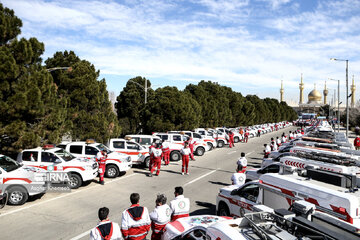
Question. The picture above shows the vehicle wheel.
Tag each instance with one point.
(111, 171)
(200, 151)
(220, 144)
(17, 195)
(236, 139)
(211, 147)
(75, 181)
(147, 162)
(175, 156)
(223, 210)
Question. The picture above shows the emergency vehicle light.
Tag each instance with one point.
(48, 146)
(90, 141)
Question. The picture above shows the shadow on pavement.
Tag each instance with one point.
(219, 183)
(145, 173)
(209, 208)
(220, 170)
(254, 165)
(171, 171)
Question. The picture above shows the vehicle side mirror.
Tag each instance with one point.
(234, 192)
(58, 161)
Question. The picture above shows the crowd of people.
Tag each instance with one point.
(136, 220)
(279, 141)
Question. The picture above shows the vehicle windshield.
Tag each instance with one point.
(9, 164)
(102, 147)
(64, 155)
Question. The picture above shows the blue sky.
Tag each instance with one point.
(248, 45)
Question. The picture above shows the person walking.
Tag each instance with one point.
(185, 152)
(180, 206)
(135, 221)
(105, 229)
(160, 216)
(157, 153)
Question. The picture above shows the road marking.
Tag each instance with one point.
(196, 179)
(231, 152)
(62, 196)
(81, 235)
(250, 153)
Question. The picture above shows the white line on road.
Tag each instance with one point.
(81, 235)
(196, 179)
(231, 152)
(61, 196)
(250, 153)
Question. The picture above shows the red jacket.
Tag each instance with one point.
(357, 142)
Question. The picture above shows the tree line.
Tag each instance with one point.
(206, 104)
(40, 106)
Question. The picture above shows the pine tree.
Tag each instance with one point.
(31, 113)
(89, 110)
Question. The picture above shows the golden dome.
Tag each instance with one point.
(314, 96)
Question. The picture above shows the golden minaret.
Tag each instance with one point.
(326, 92)
(301, 87)
(353, 88)
(281, 92)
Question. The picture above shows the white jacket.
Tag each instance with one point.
(185, 151)
(242, 161)
(134, 223)
(238, 179)
(116, 234)
(161, 214)
(180, 205)
(267, 149)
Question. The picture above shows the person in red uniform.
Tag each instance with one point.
(135, 221)
(357, 143)
(166, 152)
(159, 217)
(231, 139)
(246, 135)
(185, 152)
(156, 151)
(191, 146)
(151, 154)
(101, 159)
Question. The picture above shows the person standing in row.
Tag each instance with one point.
(191, 146)
(135, 222)
(239, 177)
(267, 151)
(151, 148)
(180, 206)
(105, 230)
(242, 161)
(101, 159)
(157, 153)
(160, 216)
(185, 152)
(166, 152)
(231, 139)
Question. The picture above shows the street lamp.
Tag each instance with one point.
(145, 88)
(338, 115)
(347, 93)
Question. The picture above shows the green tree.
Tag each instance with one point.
(130, 104)
(89, 110)
(31, 113)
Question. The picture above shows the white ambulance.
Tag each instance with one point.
(116, 163)
(280, 191)
(138, 154)
(18, 182)
(54, 159)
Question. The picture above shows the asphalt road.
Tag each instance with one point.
(72, 215)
